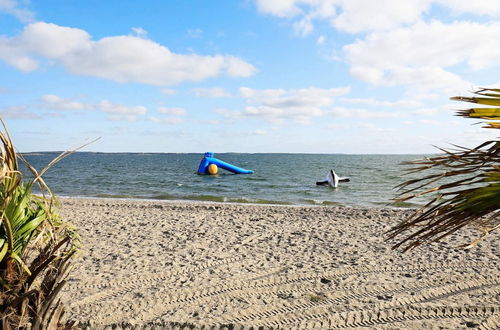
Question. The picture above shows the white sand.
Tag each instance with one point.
(152, 263)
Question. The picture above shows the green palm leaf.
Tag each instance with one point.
(471, 193)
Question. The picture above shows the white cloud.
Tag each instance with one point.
(114, 111)
(232, 134)
(172, 116)
(422, 122)
(303, 27)
(260, 132)
(359, 15)
(122, 117)
(449, 109)
(356, 16)
(51, 41)
(12, 7)
(427, 78)
(195, 33)
(352, 16)
(172, 111)
(393, 58)
(427, 111)
(10, 53)
(120, 109)
(214, 92)
(168, 91)
(478, 7)
(428, 122)
(401, 47)
(312, 97)
(120, 58)
(277, 105)
(140, 32)
(58, 103)
(166, 120)
(282, 8)
(228, 113)
(379, 103)
(343, 112)
(17, 112)
(213, 122)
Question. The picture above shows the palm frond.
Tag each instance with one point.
(465, 184)
(483, 113)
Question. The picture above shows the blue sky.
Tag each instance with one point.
(306, 76)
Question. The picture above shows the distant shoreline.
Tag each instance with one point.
(223, 153)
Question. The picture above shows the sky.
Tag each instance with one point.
(250, 76)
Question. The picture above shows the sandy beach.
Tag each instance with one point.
(212, 265)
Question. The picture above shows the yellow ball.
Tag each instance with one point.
(212, 169)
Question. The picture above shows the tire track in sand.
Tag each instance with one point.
(352, 319)
(403, 314)
(243, 289)
(431, 291)
(112, 289)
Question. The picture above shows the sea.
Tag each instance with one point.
(278, 178)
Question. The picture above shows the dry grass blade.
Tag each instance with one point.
(37, 247)
(57, 159)
(476, 241)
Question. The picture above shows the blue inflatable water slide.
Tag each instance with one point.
(209, 159)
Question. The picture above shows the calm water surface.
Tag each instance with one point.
(278, 178)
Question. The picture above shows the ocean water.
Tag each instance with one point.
(278, 178)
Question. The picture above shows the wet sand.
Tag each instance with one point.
(213, 265)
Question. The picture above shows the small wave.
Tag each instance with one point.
(211, 198)
(319, 202)
(115, 196)
(407, 205)
(203, 198)
(255, 178)
(260, 201)
(163, 197)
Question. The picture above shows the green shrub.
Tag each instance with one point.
(36, 247)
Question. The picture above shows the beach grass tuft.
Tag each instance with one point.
(36, 246)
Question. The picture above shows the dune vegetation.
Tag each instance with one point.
(37, 247)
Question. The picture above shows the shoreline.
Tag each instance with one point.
(209, 263)
(195, 201)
